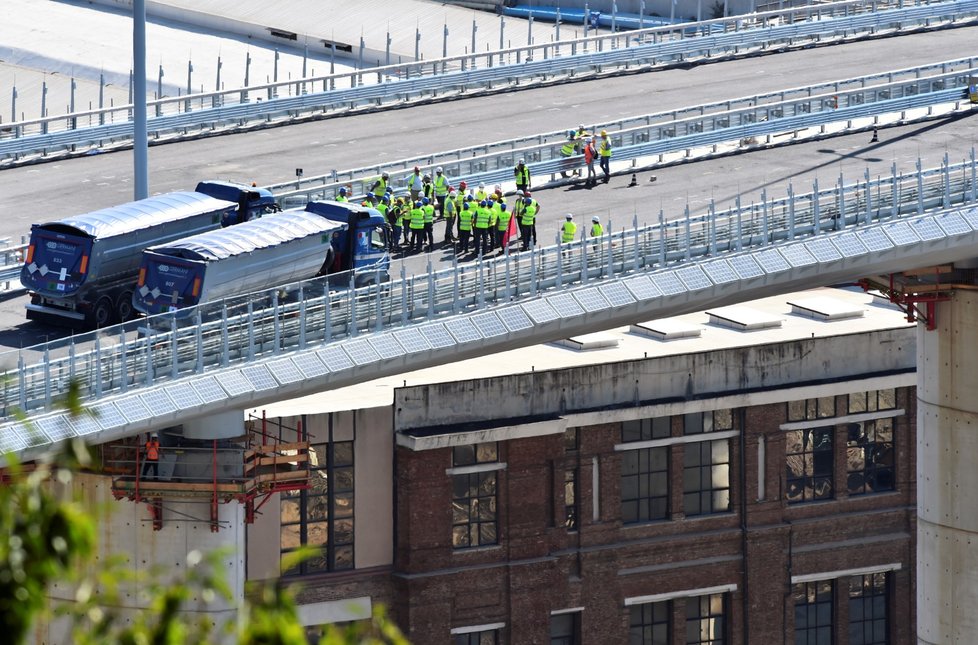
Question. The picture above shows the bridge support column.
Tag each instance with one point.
(223, 425)
(947, 473)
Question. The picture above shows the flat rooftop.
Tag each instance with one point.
(630, 345)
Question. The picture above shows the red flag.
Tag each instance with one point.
(510, 231)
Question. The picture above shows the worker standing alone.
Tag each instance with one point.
(522, 173)
(153, 451)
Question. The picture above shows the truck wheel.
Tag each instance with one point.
(102, 312)
(123, 306)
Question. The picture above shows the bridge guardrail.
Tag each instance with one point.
(312, 314)
(536, 63)
(659, 134)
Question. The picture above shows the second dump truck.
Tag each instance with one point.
(291, 246)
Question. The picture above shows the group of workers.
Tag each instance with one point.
(581, 141)
(475, 216)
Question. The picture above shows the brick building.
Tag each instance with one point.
(739, 476)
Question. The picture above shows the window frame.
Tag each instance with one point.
(705, 471)
(876, 599)
(868, 441)
(331, 549)
(817, 595)
(647, 478)
(808, 454)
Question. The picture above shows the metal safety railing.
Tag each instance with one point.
(197, 114)
(907, 94)
(314, 315)
(903, 95)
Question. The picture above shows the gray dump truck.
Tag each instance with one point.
(291, 246)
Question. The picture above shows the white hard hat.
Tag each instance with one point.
(438, 169)
(596, 219)
(569, 216)
(521, 162)
(481, 185)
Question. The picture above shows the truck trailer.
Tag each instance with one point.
(81, 270)
(291, 246)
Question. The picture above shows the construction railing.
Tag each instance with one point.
(200, 114)
(315, 314)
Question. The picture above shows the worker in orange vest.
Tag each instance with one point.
(153, 451)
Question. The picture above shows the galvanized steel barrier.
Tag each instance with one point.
(314, 315)
(897, 96)
(198, 114)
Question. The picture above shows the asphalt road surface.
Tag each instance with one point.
(48, 191)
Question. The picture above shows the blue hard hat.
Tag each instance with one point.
(342, 190)
(528, 201)
(483, 203)
(417, 204)
(469, 198)
(465, 206)
(502, 206)
(424, 200)
(387, 199)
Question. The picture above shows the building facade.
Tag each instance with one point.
(727, 487)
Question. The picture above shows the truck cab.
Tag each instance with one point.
(252, 201)
(362, 245)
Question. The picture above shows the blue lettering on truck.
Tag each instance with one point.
(56, 263)
(169, 285)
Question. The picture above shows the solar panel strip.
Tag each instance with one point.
(412, 340)
(85, 424)
(823, 250)
(14, 438)
(515, 318)
(874, 239)
(387, 346)
(970, 215)
(643, 288)
(953, 223)
(694, 278)
(489, 325)
(259, 377)
(540, 311)
(797, 255)
(463, 330)
(310, 365)
(668, 283)
(437, 335)
(133, 408)
(565, 305)
(184, 395)
(234, 383)
(55, 428)
(285, 371)
(772, 261)
(849, 245)
(157, 401)
(617, 294)
(900, 233)
(591, 299)
(720, 272)
(335, 358)
(108, 416)
(746, 266)
(927, 229)
(209, 390)
(361, 352)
